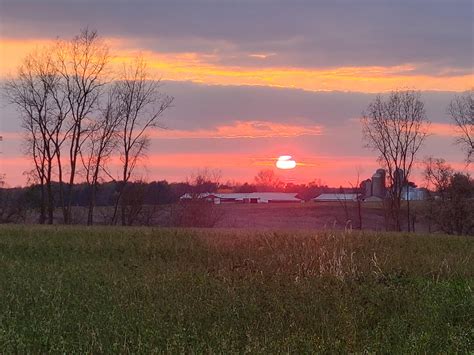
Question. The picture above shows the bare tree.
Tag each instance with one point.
(141, 106)
(461, 110)
(102, 138)
(267, 180)
(31, 92)
(203, 181)
(395, 127)
(451, 209)
(437, 174)
(198, 210)
(81, 64)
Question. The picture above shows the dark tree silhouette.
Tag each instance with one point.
(395, 126)
(461, 110)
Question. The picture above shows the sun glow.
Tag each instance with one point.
(285, 162)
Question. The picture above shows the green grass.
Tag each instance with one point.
(145, 290)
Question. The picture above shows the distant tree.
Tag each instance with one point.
(395, 126)
(245, 188)
(141, 106)
(267, 180)
(455, 215)
(12, 205)
(197, 210)
(203, 181)
(449, 206)
(461, 110)
(133, 204)
(437, 174)
(460, 209)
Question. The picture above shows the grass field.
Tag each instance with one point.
(145, 290)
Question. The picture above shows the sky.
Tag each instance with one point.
(253, 80)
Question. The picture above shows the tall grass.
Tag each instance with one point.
(180, 290)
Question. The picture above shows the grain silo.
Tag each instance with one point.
(378, 183)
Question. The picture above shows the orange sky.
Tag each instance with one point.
(200, 68)
(257, 140)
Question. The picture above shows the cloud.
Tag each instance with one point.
(303, 34)
(242, 129)
(205, 107)
(443, 129)
(209, 69)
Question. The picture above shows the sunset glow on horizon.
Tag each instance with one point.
(249, 88)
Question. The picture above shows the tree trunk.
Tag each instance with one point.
(61, 186)
(359, 211)
(42, 217)
(50, 199)
(67, 219)
(90, 214)
(118, 201)
(124, 214)
(408, 210)
(396, 214)
(74, 151)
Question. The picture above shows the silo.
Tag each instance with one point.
(378, 183)
(382, 174)
(366, 188)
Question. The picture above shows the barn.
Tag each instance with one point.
(335, 197)
(251, 197)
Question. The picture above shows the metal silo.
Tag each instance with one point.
(378, 183)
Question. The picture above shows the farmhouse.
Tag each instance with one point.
(251, 197)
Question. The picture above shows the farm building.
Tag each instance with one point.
(414, 193)
(373, 199)
(335, 197)
(251, 197)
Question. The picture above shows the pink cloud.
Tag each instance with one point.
(243, 129)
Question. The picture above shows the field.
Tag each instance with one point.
(321, 215)
(281, 216)
(144, 290)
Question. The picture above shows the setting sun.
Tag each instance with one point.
(285, 162)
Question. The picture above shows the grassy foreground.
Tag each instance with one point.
(84, 289)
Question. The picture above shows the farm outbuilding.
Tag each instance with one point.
(251, 197)
(335, 197)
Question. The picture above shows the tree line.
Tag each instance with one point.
(24, 203)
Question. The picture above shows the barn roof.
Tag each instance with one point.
(336, 197)
(270, 196)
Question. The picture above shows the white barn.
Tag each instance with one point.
(335, 197)
(251, 197)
